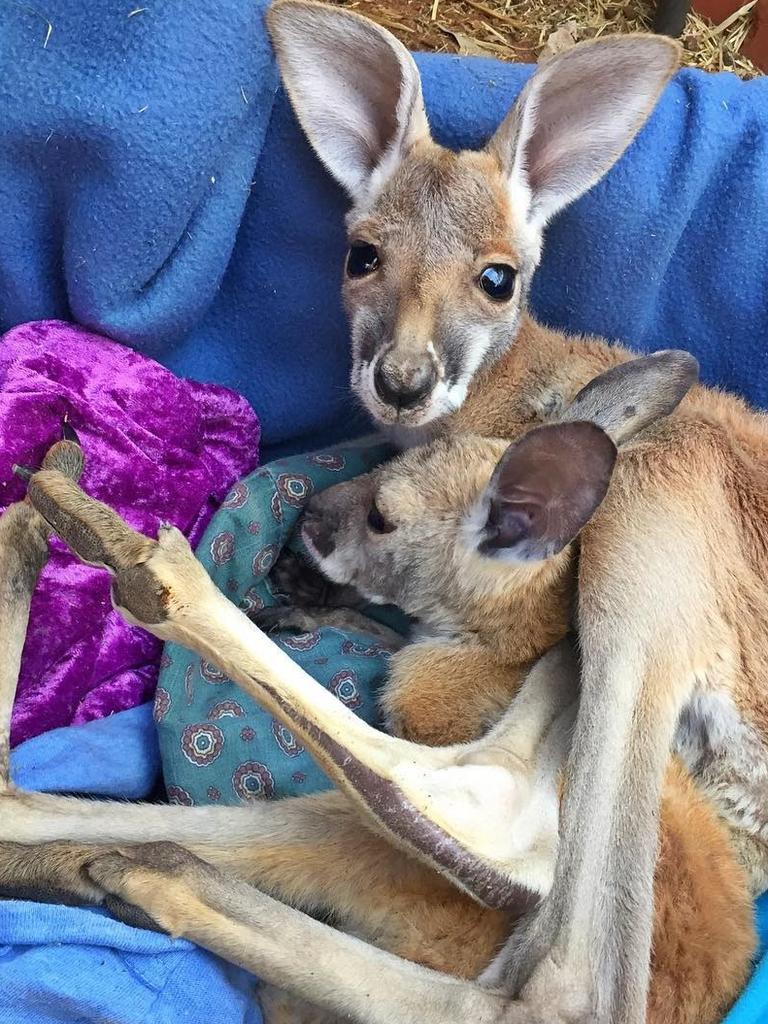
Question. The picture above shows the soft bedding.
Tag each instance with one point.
(158, 448)
(67, 965)
(217, 744)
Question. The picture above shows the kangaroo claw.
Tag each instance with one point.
(68, 432)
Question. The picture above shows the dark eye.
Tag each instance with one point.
(363, 258)
(376, 521)
(498, 281)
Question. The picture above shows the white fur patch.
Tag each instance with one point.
(443, 400)
(473, 525)
(332, 566)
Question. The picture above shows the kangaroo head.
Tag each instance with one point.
(448, 529)
(454, 529)
(443, 245)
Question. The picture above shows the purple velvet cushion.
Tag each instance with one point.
(158, 449)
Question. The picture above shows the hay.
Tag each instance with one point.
(37, 14)
(519, 30)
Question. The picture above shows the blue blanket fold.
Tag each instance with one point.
(70, 965)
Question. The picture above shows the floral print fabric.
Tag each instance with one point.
(218, 745)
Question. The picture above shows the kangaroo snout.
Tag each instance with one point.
(404, 381)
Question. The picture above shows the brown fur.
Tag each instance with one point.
(442, 691)
(706, 467)
(703, 931)
(703, 938)
(711, 457)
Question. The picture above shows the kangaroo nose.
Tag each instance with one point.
(403, 385)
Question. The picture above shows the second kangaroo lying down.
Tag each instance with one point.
(501, 616)
(406, 534)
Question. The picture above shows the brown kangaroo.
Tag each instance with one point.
(486, 621)
(671, 607)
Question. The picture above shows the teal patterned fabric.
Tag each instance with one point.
(217, 745)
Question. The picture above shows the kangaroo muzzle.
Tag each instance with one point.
(404, 381)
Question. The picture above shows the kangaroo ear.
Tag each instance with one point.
(577, 114)
(354, 88)
(544, 490)
(630, 396)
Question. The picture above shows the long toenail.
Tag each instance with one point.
(68, 432)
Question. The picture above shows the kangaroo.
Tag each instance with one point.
(409, 533)
(443, 245)
(413, 532)
(671, 611)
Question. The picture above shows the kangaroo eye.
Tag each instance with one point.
(498, 281)
(363, 258)
(376, 521)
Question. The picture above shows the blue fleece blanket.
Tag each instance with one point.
(67, 965)
(154, 186)
(60, 965)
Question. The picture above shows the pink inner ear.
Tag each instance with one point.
(512, 525)
(354, 88)
(578, 113)
(572, 116)
(377, 82)
(547, 487)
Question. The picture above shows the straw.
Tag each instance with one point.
(519, 30)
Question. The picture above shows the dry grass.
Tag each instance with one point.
(519, 30)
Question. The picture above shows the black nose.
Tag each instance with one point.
(404, 387)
